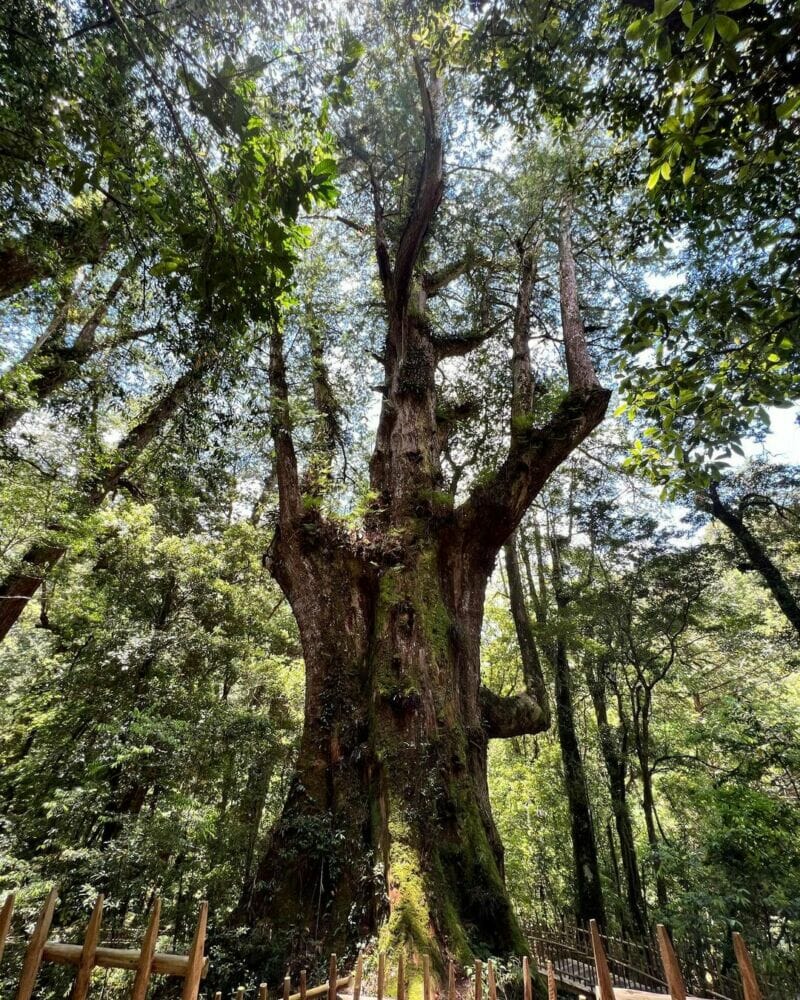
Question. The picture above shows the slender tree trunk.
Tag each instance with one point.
(759, 558)
(613, 746)
(642, 734)
(61, 364)
(19, 587)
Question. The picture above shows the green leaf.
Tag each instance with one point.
(732, 4)
(687, 13)
(666, 171)
(636, 29)
(653, 179)
(788, 107)
(726, 27)
(688, 172)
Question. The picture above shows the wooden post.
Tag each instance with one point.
(262, 991)
(145, 966)
(356, 981)
(303, 985)
(478, 979)
(240, 993)
(752, 990)
(194, 969)
(552, 991)
(5, 921)
(601, 963)
(401, 977)
(491, 982)
(669, 960)
(451, 982)
(287, 987)
(84, 974)
(35, 949)
(332, 978)
(218, 995)
(381, 973)
(527, 985)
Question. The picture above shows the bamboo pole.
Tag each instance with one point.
(356, 981)
(478, 979)
(194, 969)
(669, 960)
(332, 978)
(84, 975)
(527, 985)
(552, 991)
(5, 921)
(601, 963)
(752, 991)
(491, 982)
(451, 982)
(144, 966)
(35, 949)
(381, 973)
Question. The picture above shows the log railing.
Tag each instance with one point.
(143, 961)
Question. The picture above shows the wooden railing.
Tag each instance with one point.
(144, 961)
(633, 966)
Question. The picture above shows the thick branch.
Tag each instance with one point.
(434, 281)
(758, 556)
(495, 507)
(285, 455)
(580, 370)
(522, 379)
(515, 715)
(429, 189)
(531, 663)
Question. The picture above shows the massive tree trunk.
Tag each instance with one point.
(387, 827)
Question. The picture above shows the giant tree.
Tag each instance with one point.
(387, 826)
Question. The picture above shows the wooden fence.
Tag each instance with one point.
(566, 966)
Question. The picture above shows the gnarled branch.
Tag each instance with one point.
(514, 715)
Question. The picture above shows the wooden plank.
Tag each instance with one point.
(552, 990)
(86, 964)
(752, 991)
(527, 985)
(5, 921)
(451, 982)
(401, 977)
(144, 967)
(604, 985)
(491, 982)
(669, 960)
(194, 967)
(356, 981)
(381, 974)
(35, 950)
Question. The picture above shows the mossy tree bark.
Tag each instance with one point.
(387, 828)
